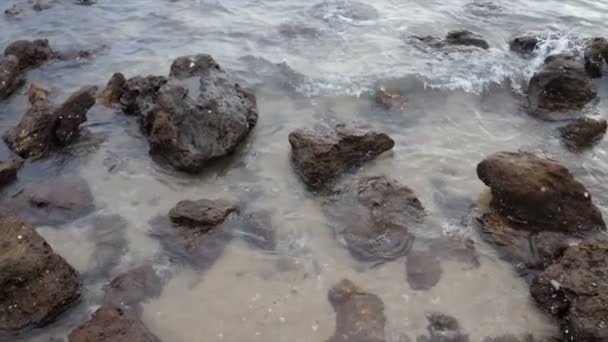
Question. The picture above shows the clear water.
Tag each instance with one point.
(470, 109)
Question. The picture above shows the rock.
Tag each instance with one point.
(354, 10)
(108, 233)
(575, 289)
(525, 45)
(138, 92)
(133, 287)
(114, 89)
(539, 194)
(202, 213)
(292, 31)
(359, 315)
(51, 202)
(321, 157)
(374, 219)
(45, 126)
(112, 324)
(455, 249)
(583, 132)
(189, 126)
(8, 170)
(443, 328)
(596, 57)
(466, 38)
(423, 270)
(256, 229)
(548, 247)
(10, 76)
(562, 88)
(30, 53)
(36, 285)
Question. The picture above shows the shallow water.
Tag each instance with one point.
(469, 109)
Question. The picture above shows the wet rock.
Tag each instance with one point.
(291, 30)
(114, 89)
(10, 76)
(45, 126)
(455, 249)
(36, 285)
(596, 57)
(526, 44)
(321, 157)
(256, 229)
(374, 219)
(138, 93)
(263, 74)
(443, 328)
(202, 116)
(539, 194)
(51, 202)
(423, 270)
(548, 247)
(112, 324)
(8, 170)
(466, 38)
(359, 315)
(133, 287)
(575, 289)
(30, 53)
(202, 213)
(560, 90)
(583, 132)
(108, 234)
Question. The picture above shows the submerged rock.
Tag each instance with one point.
(133, 287)
(36, 285)
(583, 132)
(466, 38)
(423, 270)
(575, 289)
(539, 194)
(596, 57)
(374, 219)
(8, 170)
(30, 53)
(10, 76)
(112, 324)
(560, 90)
(321, 157)
(359, 315)
(332, 9)
(45, 126)
(443, 328)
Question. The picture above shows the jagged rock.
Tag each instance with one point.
(10, 76)
(374, 219)
(466, 38)
(575, 289)
(596, 57)
(8, 170)
(36, 285)
(359, 315)
(112, 324)
(321, 157)
(583, 132)
(30, 53)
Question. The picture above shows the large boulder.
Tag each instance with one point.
(575, 289)
(596, 57)
(321, 157)
(374, 219)
(36, 284)
(10, 76)
(45, 125)
(359, 314)
(583, 132)
(112, 324)
(30, 53)
(539, 194)
(8, 170)
(466, 38)
(560, 89)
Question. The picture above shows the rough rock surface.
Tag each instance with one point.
(583, 132)
(374, 219)
(204, 213)
(423, 270)
(10, 76)
(596, 57)
(443, 328)
(112, 324)
(359, 315)
(36, 284)
(560, 90)
(113, 91)
(320, 157)
(526, 44)
(134, 286)
(539, 194)
(45, 126)
(30, 53)
(466, 38)
(575, 289)
(8, 170)
(138, 92)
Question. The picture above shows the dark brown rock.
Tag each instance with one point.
(112, 324)
(201, 213)
(114, 90)
(30, 53)
(583, 132)
(443, 328)
(575, 289)
(36, 285)
(10, 76)
(8, 170)
(72, 113)
(359, 315)
(134, 286)
(596, 57)
(321, 157)
(525, 45)
(139, 92)
(560, 90)
(466, 38)
(539, 194)
(374, 219)
(423, 270)
(548, 247)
